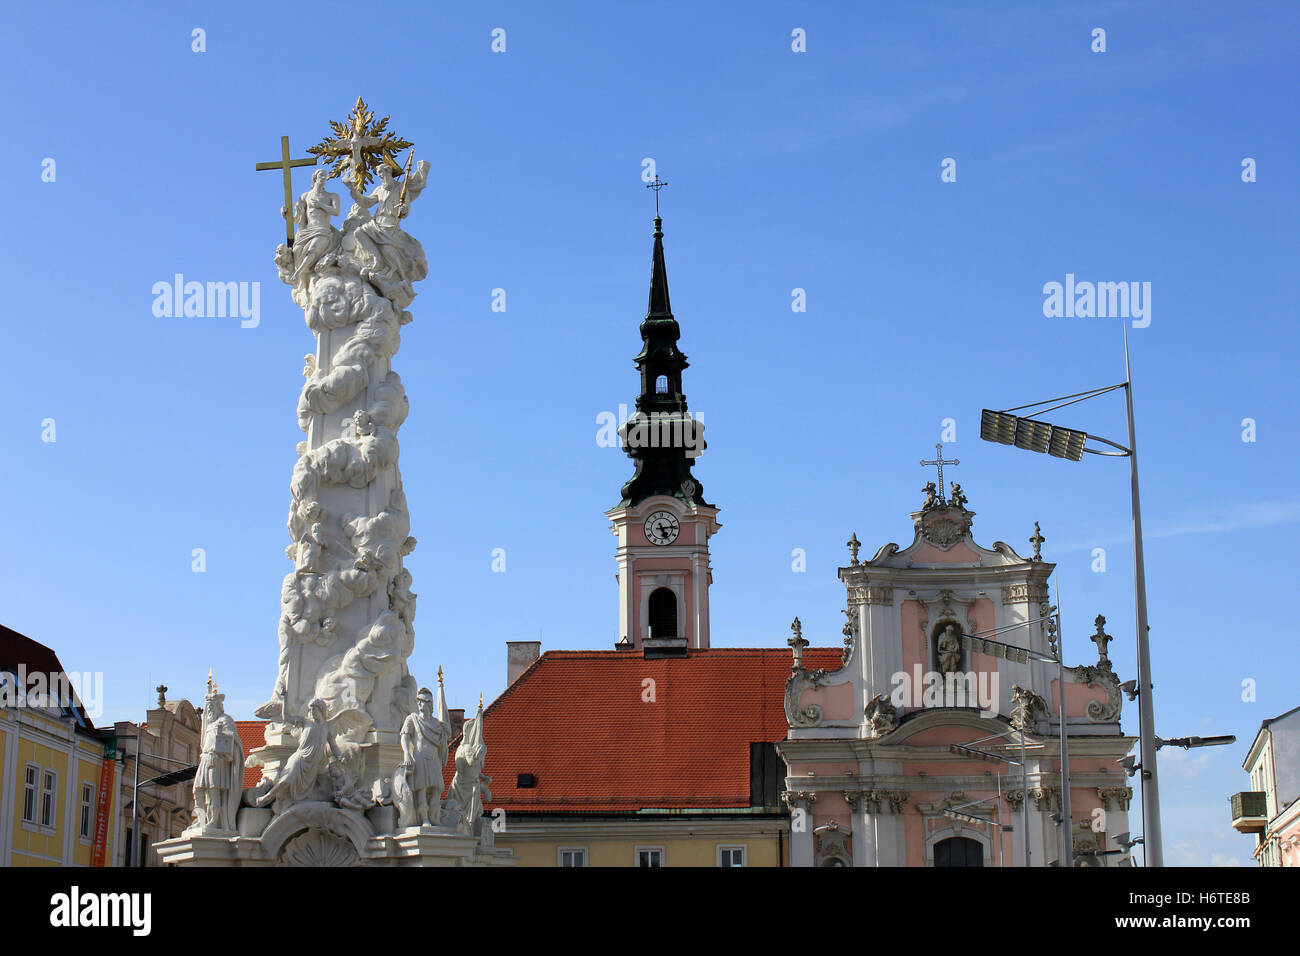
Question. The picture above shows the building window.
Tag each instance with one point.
(958, 851)
(661, 385)
(87, 812)
(731, 856)
(573, 856)
(663, 613)
(49, 784)
(649, 856)
(29, 793)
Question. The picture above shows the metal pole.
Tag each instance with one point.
(1150, 783)
(1024, 790)
(1067, 823)
(135, 808)
(1001, 859)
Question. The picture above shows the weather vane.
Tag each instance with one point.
(657, 185)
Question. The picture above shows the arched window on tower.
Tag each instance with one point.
(661, 385)
(663, 613)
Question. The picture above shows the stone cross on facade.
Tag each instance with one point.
(940, 462)
(1101, 638)
(162, 694)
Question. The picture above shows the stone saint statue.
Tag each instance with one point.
(316, 236)
(385, 250)
(297, 778)
(464, 805)
(219, 781)
(949, 650)
(425, 739)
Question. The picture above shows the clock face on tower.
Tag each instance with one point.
(662, 528)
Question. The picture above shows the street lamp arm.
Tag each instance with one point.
(1077, 396)
(1123, 452)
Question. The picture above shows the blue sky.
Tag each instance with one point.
(817, 170)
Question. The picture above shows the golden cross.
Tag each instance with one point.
(286, 164)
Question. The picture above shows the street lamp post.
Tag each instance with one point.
(1026, 432)
(135, 790)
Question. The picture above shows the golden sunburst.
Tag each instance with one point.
(360, 145)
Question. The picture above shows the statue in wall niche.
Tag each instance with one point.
(464, 806)
(949, 647)
(219, 781)
(418, 781)
(317, 237)
(297, 778)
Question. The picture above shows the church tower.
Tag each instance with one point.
(663, 523)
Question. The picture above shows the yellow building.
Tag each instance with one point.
(51, 758)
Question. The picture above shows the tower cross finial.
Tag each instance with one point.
(657, 185)
(940, 462)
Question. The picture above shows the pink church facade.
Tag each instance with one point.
(873, 777)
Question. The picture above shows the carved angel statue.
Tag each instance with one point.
(389, 256)
(955, 497)
(219, 781)
(297, 778)
(1024, 704)
(418, 782)
(931, 496)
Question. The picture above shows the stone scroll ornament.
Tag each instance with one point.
(347, 620)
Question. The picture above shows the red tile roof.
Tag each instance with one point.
(252, 734)
(577, 721)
